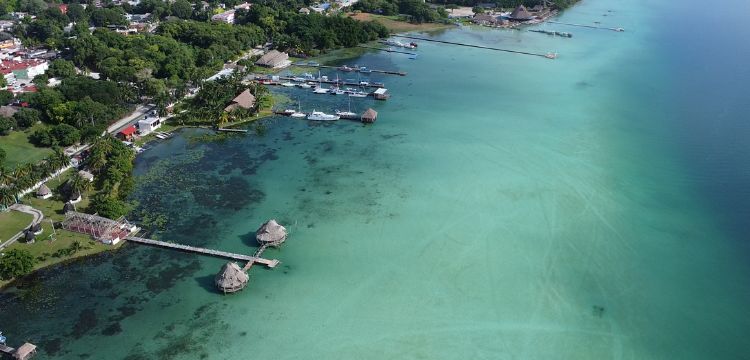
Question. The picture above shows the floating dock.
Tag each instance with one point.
(251, 259)
(619, 29)
(547, 56)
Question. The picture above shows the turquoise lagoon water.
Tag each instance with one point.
(503, 206)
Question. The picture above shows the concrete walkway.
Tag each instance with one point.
(38, 216)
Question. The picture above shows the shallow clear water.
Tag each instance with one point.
(503, 206)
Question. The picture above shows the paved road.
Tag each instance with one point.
(38, 216)
(140, 110)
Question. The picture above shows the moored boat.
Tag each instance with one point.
(321, 116)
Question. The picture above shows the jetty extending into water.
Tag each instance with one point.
(388, 50)
(251, 259)
(619, 29)
(362, 70)
(547, 55)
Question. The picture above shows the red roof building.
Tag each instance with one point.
(127, 133)
(63, 8)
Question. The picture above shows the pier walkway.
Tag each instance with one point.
(588, 26)
(354, 69)
(547, 56)
(216, 253)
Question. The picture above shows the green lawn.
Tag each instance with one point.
(19, 150)
(11, 222)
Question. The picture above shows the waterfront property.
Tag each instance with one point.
(274, 59)
(105, 230)
(245, 100)
(231, 278)
(520, 14)
(148, 125)
(24, 352)
(128, 133)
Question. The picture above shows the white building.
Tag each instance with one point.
(227, 17)
(148, 124)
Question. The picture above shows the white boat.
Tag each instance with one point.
(304, 86)
(297, 113)
(320, 90)
(346, 114)
(358, 94)
(287, 84)
(321, 116)
(337, 91)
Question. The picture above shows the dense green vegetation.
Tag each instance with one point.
(418, 11)
(15, 263)
(112, 164)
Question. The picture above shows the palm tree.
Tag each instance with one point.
(58, 160)
(78, 183)
(7, 196)
(6, 176)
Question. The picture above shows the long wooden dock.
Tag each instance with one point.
(251, 259)
(547, 56)
(588, 26)
(266, 81)
(388, 50)
(354, 69)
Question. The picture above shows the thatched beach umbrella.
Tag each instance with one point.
(271, 233)
(521, 14)
(231, 278)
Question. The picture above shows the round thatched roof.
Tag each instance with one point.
(68, 207)
(36, 227)
(271, 233)
(231, 278)
(43, 190)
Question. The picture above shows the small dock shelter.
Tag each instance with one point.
(369, 116)
(231, 278)
(381, 94)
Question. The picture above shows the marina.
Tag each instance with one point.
(390, 50)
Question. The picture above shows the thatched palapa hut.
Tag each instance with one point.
(25, 351)
(521, 14)
(231, 278)
(244, 100)
(68, 207)
(369, 116)
(271, 233)
(43, 192)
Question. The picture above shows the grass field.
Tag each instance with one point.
(11, 222)
(395, 25)
(19, 150)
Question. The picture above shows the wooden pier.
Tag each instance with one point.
(354, 69)
(266, 81)
(251, 259)
(588, 26)
(388, 50)
(547, 56)
(232, 130)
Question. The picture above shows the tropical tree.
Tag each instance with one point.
(78, 184)
(58, 160)
(15, 263)
(7, 195)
